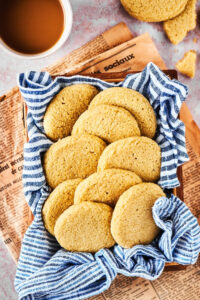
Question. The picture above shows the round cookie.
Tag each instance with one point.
(65, 108)
(85, 227)
(137, 154)
(72, 157)
(105, 186)
(132, 101)
(108, 122)
(58, 201)
(154, 10)
(132, 222)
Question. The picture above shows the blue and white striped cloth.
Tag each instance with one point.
(45, 271)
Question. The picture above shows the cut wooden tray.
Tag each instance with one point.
(117, 77)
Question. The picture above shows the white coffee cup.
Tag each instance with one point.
(68, 19)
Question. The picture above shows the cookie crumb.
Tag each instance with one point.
(187, 64)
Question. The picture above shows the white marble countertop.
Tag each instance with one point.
(90, 19)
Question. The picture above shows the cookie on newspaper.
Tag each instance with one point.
(72, 157)
(58, 201)
(137, 154)
(132, 101)
(105, 186)
(154, 10)
(65, 108)
(108, 122)
(85, 227)
(132, 222)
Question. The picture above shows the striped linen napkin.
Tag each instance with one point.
(45, 270)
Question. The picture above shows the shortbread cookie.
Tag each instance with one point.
(187, 64)
(65, 108)
(137, 154)
(178, 27)
(85, 227)
(105, 186)
(108, 122)
(132, 222)
(72, 157)
(132, 101)
(154, 10)
(58, 201)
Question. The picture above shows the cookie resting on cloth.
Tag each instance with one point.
(108, 122)
(132, 101)
(132, 222)
(85, 227)
(72, 157)
(106, 186)
(65, 108)
(138, 154)
(60, 199)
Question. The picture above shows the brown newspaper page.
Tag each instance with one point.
(191, 170)
(127, 288)
(123, 58)
(176, 285)
(116, 35)
(15, 215)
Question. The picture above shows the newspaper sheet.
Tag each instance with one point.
(15, 216)
(123, 58)
(116, 35)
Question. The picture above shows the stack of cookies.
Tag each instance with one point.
(102, 168)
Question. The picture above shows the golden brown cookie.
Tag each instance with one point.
(72, 157)
(105, 186)
(178, 27)
(137, 154)
(65, 108)
(85, 227)
(154, 10)
(132, 101)
(187, 64)
(108, 122)
(58, 201)
(132, 222)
